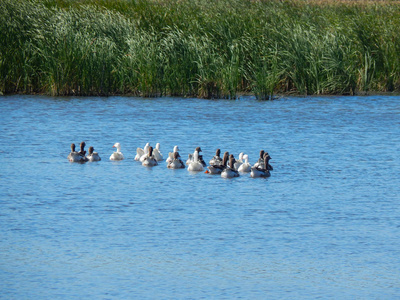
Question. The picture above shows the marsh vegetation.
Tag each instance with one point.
(198, 48)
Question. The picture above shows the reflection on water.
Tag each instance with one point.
(325, 224)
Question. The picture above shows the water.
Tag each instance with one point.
(326, 224)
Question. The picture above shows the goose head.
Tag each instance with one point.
(246, 158)
(72, 147)
(218, 152)
(91, 149)
(176, 149)
(198, 149)
(158, 146)
(118, 146)
(262, 154)
(241, 156)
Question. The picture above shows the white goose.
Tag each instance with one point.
(157, 153)
(230, 171)
(195, 164)
(117, 155)
(246, 166)
(239, 162)
(93, 156)
(171, 154)
(176, 163)
(149, 160)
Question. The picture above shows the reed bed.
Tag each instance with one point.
(202, 48)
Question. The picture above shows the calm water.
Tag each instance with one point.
(326, 224)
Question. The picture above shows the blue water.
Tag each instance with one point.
(326, 224)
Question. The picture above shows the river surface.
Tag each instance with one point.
(326, 224)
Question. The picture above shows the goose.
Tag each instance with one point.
(246, 166)
(218, 168)
(230, 171)
(261, 171)
(157, 153)
(145, 152)
(176, 163)
(93, 156)
(75, 156)
(82, 152)
(260, 161)
(190, 156)
(171, 154)
(142, 152)
(195, 164)
(149, 160)
(270, 168)
(239, 162)
(216, 160)
(117, 155)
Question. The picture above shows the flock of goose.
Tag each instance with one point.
(227, 166)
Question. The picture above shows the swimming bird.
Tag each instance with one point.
(149, 160)
(218, 168)
(270, 168)
(190, 156)
(142, 152)
(216, 160)
(117, 155)
(176, 162)
(82, 152)
(157, 153)
(239, 162)
(93, 156)
(246, 166)
(261, 171)
(260, 161)
(195, 164)
(171, 154)
(75, 156)
(230, 171)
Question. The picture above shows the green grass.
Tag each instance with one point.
(202, 48)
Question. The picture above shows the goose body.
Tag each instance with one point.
(93, 156)
(149, 160)
(195, 164)
(117, 155)
(176, 163)
(246, 166)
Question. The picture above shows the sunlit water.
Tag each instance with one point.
(326, 224)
